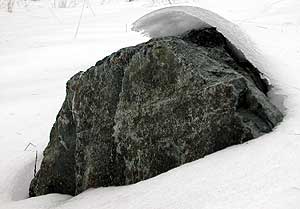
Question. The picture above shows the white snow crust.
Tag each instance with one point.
(176, 20)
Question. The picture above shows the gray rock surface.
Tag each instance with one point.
(149, 108)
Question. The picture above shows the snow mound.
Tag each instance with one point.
(172, 21)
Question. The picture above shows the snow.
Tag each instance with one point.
(43, 202)
(38, 54)
(180, 19)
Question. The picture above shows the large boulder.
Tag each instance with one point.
(149, 108)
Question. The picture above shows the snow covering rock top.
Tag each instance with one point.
(177, 20)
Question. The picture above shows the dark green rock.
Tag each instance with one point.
(149, 108)
(57, 172)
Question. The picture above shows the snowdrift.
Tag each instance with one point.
(172, 21)
(261, 174)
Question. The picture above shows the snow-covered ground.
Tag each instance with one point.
(38, 54)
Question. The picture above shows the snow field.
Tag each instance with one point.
(38, 54)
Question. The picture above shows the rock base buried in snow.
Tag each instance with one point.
(149, 108)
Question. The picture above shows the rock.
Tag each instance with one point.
(149, 108)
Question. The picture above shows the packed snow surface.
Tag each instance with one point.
(39, 53)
